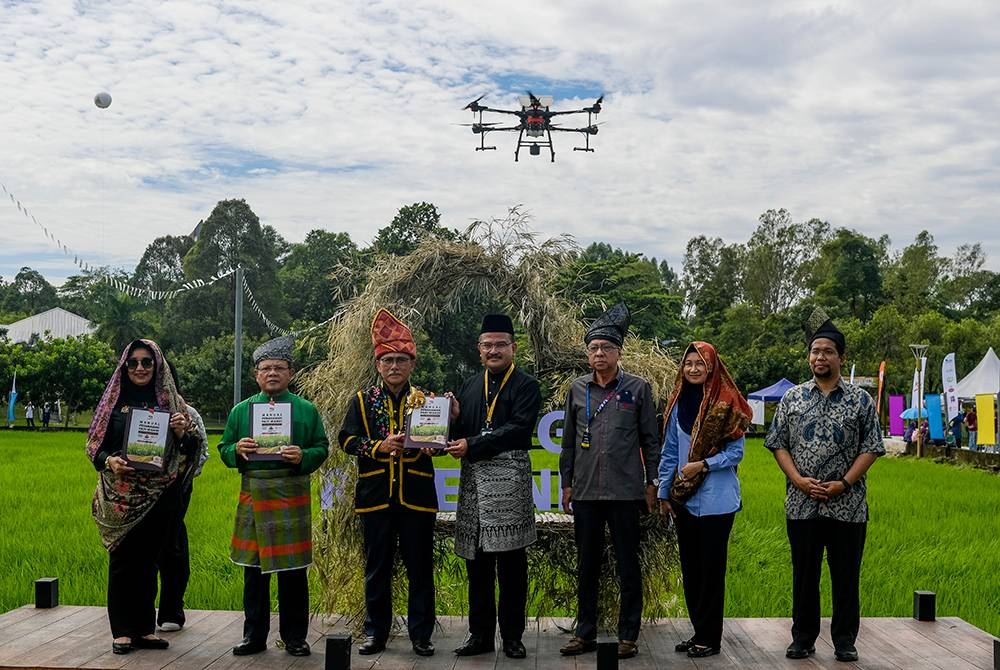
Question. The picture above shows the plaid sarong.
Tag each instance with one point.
(273, 527)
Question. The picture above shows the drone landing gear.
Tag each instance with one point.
(535, 146)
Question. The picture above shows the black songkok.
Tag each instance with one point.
(820, 325)
(497, 323)
(611, 326)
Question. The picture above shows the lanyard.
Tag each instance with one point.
(607, 398)
(490, 406)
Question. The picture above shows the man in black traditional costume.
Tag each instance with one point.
(494, 419)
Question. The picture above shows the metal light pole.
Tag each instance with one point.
(918, 353)
(238, 339)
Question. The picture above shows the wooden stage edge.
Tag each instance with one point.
(78, 637)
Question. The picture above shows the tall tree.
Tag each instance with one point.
(778, 261)
(408, 227)
(966, 286)
(711, 278)
(29, 293)
(912, 280)
(312, 275)
(161, 266)
(847, 276)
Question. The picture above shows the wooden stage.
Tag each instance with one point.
(78, 637)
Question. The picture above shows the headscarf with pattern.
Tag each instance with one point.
(120, 502)
(722, 415)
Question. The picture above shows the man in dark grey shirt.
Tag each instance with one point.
(610, 452)
(825, 435)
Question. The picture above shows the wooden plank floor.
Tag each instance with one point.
(79, 637)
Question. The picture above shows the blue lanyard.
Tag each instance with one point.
(607, 399)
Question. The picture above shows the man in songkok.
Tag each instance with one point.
(395, 495)
(824, 436)
(609, 458)
(273, 530)
(494, 419)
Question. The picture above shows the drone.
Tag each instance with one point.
(534, 121)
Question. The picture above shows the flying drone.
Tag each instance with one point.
(534, 121)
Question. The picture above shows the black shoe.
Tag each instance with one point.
(121, 648)
(474, 646)
(682, 647)
(149, 643)
(799, 650)
(249, 646)
(423, 647)
(847, 653)
(514, 649)
(371, 646)
(701, 650)
(298, 648)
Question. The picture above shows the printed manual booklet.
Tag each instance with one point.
(271, 429)
(146, 436)
(427, 425)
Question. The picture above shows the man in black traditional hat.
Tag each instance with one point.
(824, 436)
(273, 529)
(494, 418)
(609, 457)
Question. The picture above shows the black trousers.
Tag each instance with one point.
(509, 569)
(844, 544)
(175, 568)
(622, 518)
(293, 604)
(704, 545)
(413, 532)
(132, 569)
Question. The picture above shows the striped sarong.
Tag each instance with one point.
(273, 527)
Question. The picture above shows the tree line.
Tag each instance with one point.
(748, 298)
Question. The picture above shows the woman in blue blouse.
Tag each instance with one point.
(703, 443)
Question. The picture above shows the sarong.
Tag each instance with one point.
(496, 509)
(273, 527)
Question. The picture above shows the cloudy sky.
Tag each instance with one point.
(877, 116)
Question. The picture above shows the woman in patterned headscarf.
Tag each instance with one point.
(136, 510)
(703, 444)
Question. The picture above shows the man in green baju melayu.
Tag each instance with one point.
(273, 529)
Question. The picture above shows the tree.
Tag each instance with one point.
(912, 279)
(73, 369)
(408, 227)
(778, 260)
(307, 276)
(711, 277)
(161, 265)
(29, 293)
(967, 289)
(847, 275)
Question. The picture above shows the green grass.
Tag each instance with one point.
(933, 527)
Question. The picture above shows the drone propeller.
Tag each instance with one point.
(596, 107)
(474, 105)
(491, 123)
(534, 100)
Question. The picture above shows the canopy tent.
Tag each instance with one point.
(985, 378)
(772, 393)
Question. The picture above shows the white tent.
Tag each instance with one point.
(985, 378)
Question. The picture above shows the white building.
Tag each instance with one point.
(55, 323)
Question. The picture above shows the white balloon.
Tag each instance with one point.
(102, 100)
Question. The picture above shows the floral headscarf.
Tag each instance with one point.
(722, 415)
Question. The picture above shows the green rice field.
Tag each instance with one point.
(933, 527)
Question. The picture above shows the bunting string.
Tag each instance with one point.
(271, 325)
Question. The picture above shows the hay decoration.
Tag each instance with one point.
(498, 259)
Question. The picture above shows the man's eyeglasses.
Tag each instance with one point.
(490, 346)
(267, 369)
(394, 361)
(606, 348)
(146, 362)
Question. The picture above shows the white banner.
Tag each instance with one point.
(949, 381)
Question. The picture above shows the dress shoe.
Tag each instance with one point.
(423, 647)
(799, 650)
(683, 646)
(701, 650)
(298, 648)
(121, 648)
(149, 643)
(846, 653)
(578, 646)
(627, 648)
(371, 646)
(474, 646)
(249, 646)
(514, 649)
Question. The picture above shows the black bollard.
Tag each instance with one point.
(923, 605)
(47, 592)
(607, 653)
(996, 654)
(338, 652)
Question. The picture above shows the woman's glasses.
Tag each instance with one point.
(146, 363)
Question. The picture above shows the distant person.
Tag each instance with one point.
(825, 436)
(911, 427)
(29, 415)
(972, 424)
(175, 560)
(136, 510)
(956, 429)
(46, 415)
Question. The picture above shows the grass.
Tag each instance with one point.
(933, 527)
